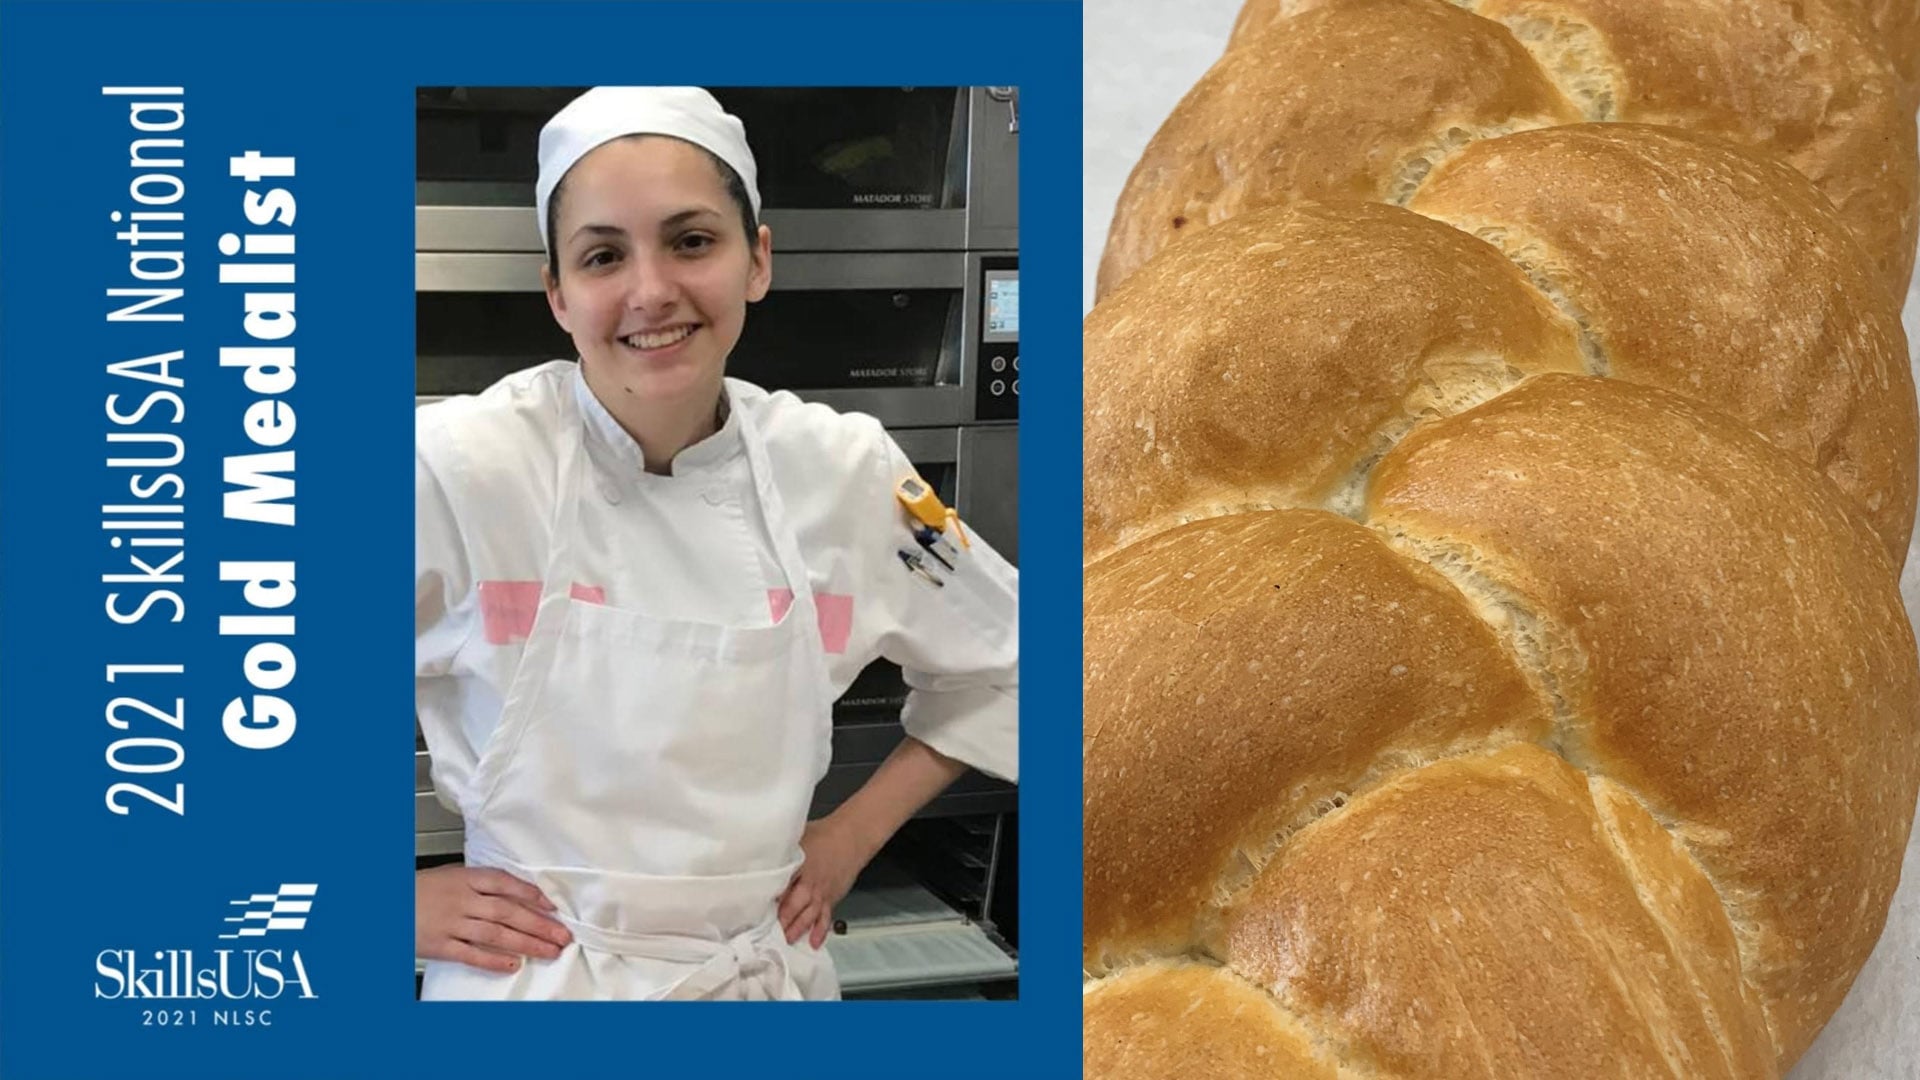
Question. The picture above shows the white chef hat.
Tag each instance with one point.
(605, 113)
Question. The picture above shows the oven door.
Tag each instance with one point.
(841, 169)
(894, 335)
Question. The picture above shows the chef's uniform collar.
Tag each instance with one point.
(610, 442)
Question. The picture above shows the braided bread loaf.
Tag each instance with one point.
(1500, 453)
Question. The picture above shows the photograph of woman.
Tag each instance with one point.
(640, 586)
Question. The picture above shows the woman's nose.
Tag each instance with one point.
(651, 285)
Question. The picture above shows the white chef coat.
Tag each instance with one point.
(692, 546)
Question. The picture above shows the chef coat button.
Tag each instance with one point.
(612, 493)
(714, 496)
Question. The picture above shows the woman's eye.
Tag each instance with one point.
(599, 258)
(695, 242)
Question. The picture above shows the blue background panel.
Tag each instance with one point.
(333, 86)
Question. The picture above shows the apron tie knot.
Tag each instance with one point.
(750, 963)
(749, 966)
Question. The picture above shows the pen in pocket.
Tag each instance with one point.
(914, 565)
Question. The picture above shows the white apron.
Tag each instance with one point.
(652, 777)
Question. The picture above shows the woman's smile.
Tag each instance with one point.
(658, 344)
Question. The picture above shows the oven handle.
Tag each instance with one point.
(495, 272)
(1010, 97)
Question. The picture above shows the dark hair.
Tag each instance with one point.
(736, 190)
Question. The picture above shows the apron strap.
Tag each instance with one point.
(537, 655)
(786, 547)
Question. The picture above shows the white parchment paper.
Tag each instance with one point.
(1141, 57)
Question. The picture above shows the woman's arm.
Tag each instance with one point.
(958, 646)
(841, 844)
(958, 643)
(477, 916)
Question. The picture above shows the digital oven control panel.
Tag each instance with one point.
(997, 378)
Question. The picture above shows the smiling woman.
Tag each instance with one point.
(640, 586)
(651, 278)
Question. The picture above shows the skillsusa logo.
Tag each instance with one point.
(283, 910)
(235, 974)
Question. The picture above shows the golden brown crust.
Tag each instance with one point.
(1188, 1022)
(1337, 106)
(1806, 81)
(1259, 362)
(1727, 638)
(1895, 25)
(1702, 269)
(1682, 513)
(1792, 78)
(1631, 795)
(1478, 918)
(1274, 687)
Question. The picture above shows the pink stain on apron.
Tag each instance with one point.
(507, 608)
(833, 611)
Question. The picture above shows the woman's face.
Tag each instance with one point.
(655, 272)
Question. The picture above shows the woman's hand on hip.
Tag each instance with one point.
(835, 855)
(840, 845)
(482, 917)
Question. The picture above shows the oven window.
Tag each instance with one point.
(852, 339)
(479, 145)
(469, 341)
(839, 149)
(877, 696)
(817, 149)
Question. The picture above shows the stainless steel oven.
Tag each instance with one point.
(841, 169)
(895, 220)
